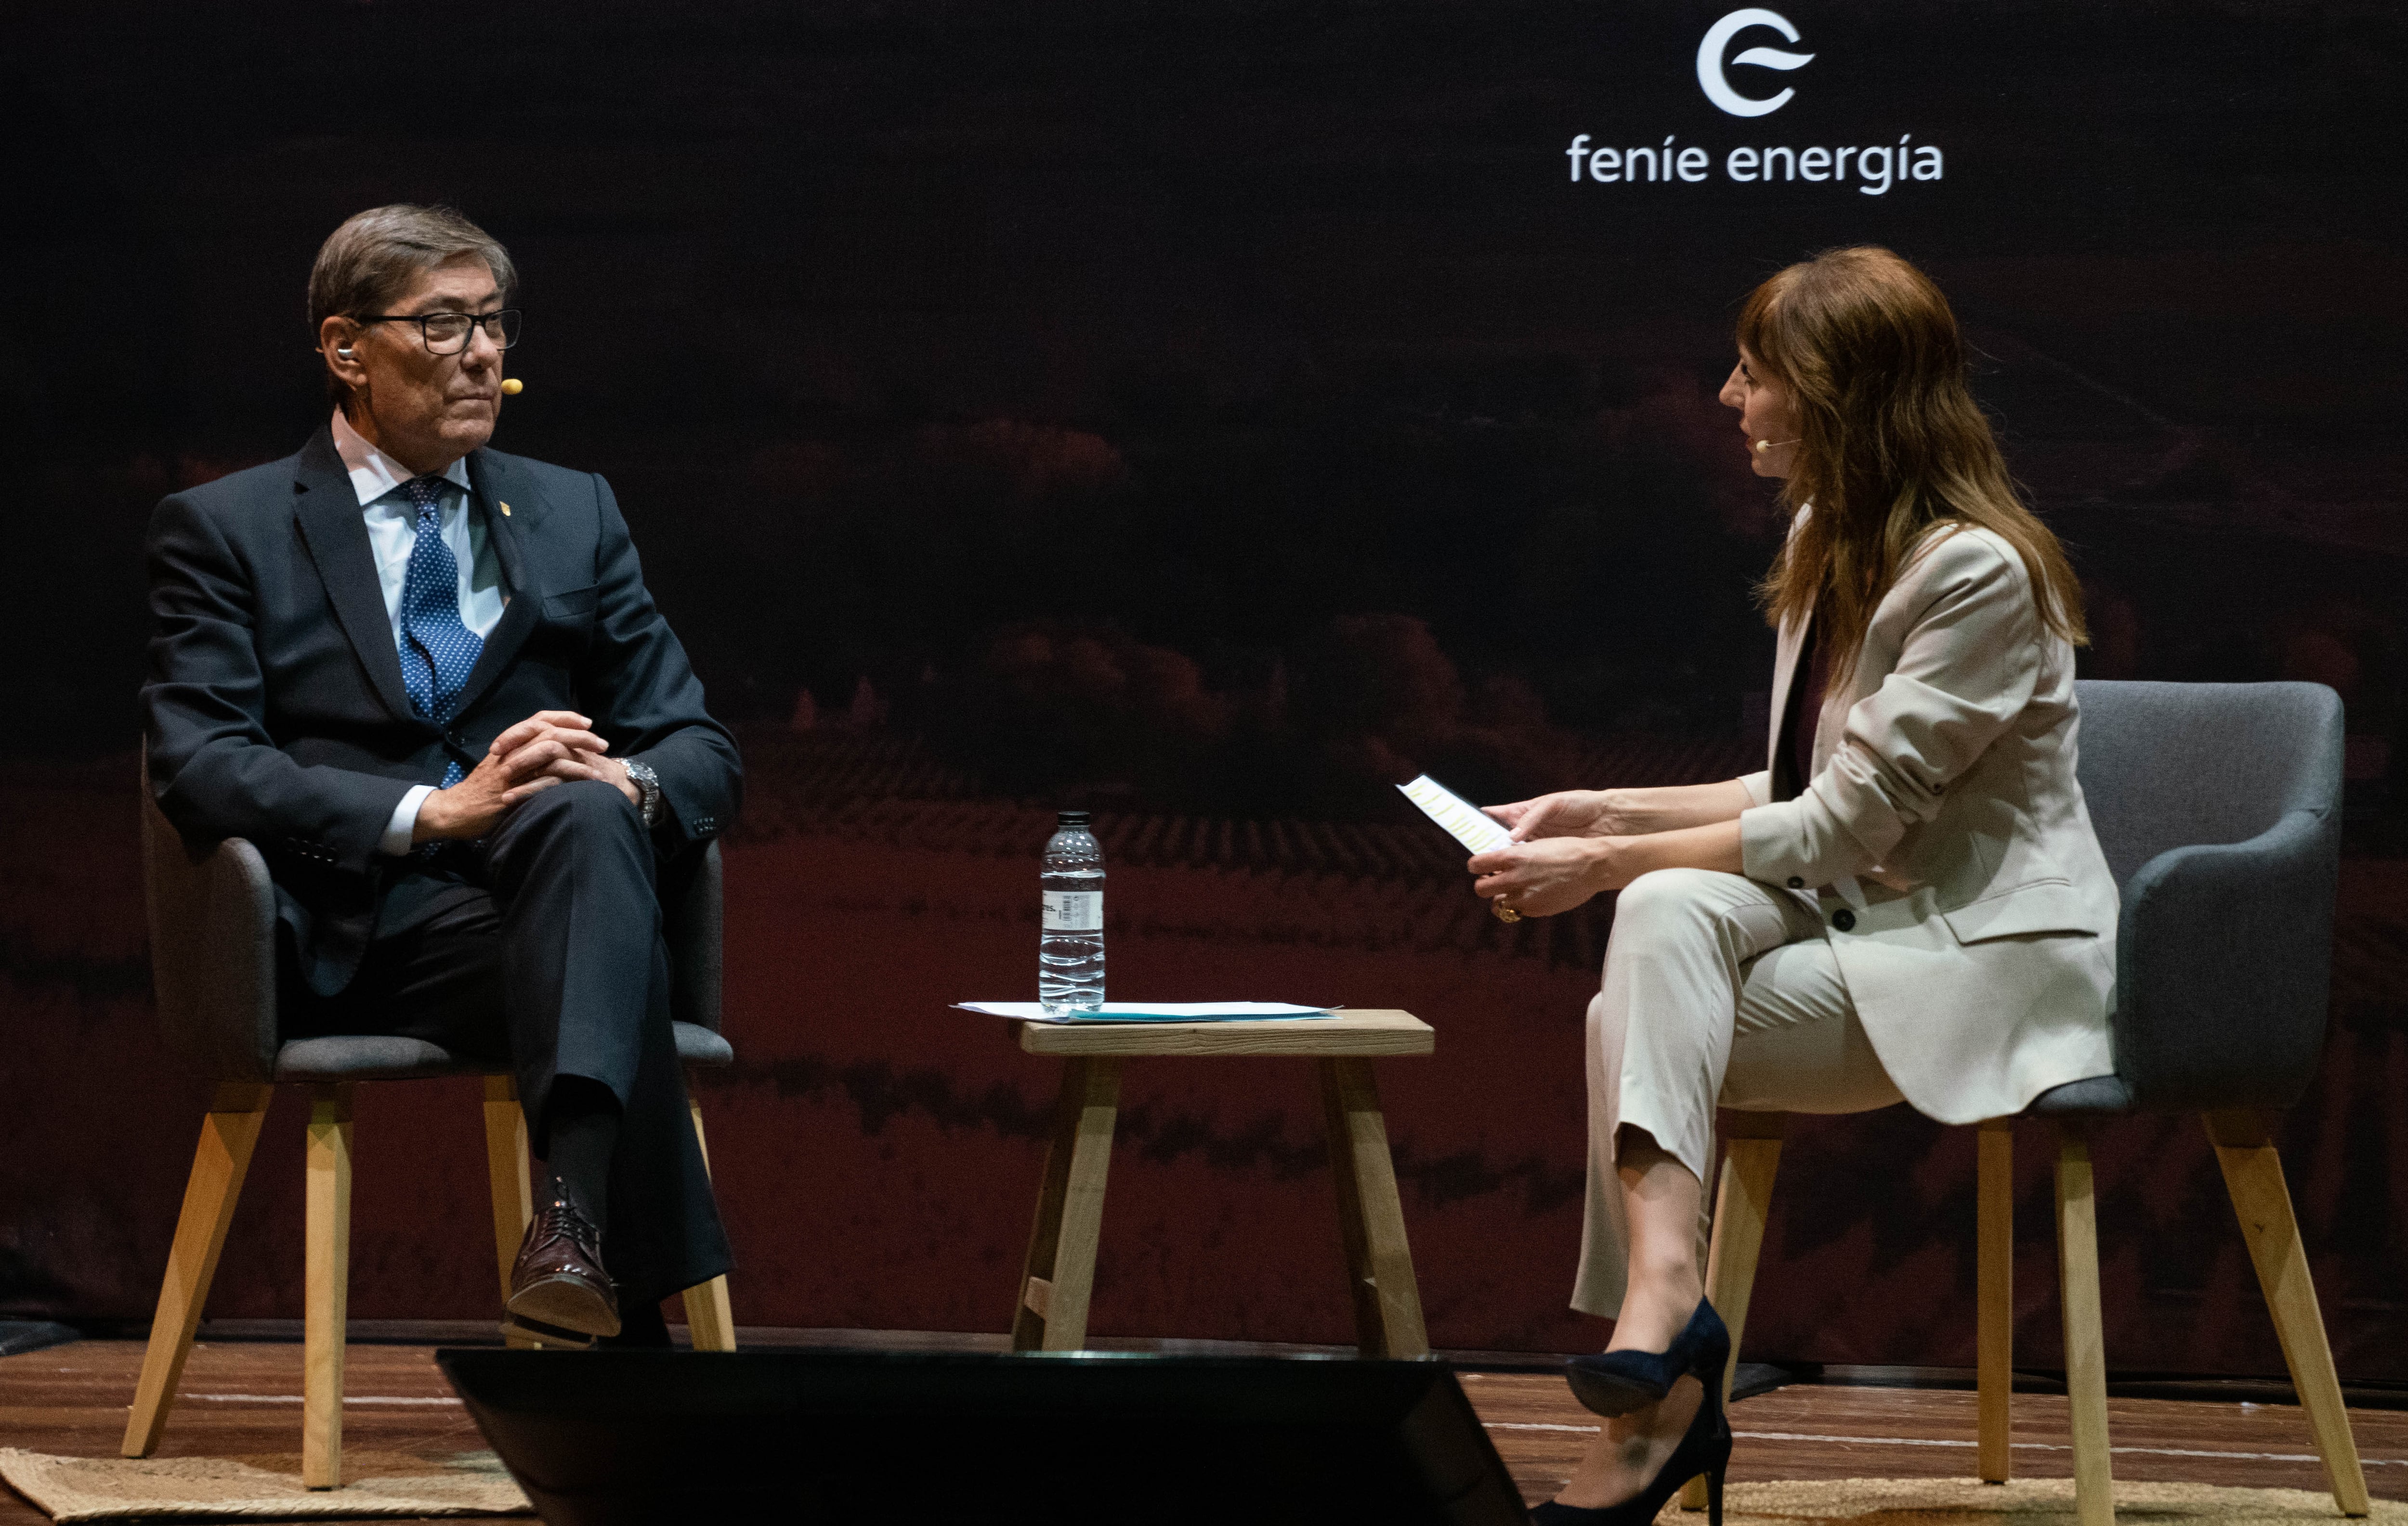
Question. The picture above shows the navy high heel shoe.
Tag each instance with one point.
(1705, 1450)
(1618, 1382)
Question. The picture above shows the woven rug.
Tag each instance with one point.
(263, 1488)
(2023, 1502)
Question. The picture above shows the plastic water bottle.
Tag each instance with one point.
(1070, 948)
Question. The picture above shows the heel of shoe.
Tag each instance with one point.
(1716, 1445)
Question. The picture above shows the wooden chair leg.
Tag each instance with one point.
(709, 1322)
(326, 1286)
(2085, 1349)
(2253, 1176)
(1994, 1239)
(222, 1159)
(506, 1170)
(1742, 1204)
(1371, 1213)
(1060, 1273)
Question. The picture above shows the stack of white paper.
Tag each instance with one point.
(1149, 1011)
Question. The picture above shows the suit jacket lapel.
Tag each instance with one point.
(328, 513)
(493, 486)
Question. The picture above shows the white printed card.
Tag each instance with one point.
(1463, 820)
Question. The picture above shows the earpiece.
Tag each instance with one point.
(344, 350)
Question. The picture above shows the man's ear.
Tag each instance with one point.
(338, 341)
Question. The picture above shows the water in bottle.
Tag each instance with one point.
(1071, 948)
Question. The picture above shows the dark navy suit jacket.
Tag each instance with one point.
(275, 704)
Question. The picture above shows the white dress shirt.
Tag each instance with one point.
(393, 534)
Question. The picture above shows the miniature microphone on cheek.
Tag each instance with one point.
(1761, 446)
(513, 386)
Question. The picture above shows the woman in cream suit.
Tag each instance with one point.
(1907, 903)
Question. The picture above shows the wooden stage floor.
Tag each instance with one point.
(244, 1398)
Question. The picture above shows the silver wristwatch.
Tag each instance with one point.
(648, 784)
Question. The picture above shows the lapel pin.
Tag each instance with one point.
(506, 511)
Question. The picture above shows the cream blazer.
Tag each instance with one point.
(1946, 762)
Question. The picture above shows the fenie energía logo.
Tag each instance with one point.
(1718, 36)
(1871, 160)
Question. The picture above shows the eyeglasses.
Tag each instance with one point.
(447, 333)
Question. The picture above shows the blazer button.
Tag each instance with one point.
(1797, 882)
(1845, 919)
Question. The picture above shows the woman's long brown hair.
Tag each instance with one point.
(1890, 444)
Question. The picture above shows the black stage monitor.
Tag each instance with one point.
(618, 1438)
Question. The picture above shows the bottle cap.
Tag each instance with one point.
(1072, 818)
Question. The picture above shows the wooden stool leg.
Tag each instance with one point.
(1370, 1214)
(228, 1135)
(506, 1169)
(1060, 1273)
(326, 1286)
(2085, 1349)
(1994, 1242)
(1742, 1202)
(709, 1322)
(2253, 1176)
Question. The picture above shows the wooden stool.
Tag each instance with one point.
(1061, 1271)
(228, 1138)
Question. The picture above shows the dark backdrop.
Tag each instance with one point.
(1205, 413)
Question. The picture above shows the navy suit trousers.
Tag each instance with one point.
(540, 947)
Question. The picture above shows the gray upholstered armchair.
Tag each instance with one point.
(2219, 810)
(212, 917)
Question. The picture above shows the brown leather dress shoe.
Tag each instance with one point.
(559, 1292)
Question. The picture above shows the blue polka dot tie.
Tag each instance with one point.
(437, 649)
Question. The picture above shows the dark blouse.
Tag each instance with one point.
(1793, 764)
(1814, 679)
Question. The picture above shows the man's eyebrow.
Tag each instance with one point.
(437, 303)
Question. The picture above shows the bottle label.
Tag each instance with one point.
(1074, 911)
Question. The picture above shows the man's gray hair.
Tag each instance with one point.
(366, 264)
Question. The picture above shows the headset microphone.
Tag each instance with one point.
(1762, 446)
(513, 386)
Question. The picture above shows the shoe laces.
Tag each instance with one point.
(561, 1216)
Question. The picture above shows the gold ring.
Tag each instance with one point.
(1504, 912)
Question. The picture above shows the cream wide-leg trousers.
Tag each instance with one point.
(1718, 991)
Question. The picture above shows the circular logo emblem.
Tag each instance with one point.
(1710, 61)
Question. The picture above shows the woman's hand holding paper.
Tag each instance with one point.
(1557, 874)
(1621, 813)
(1543, 877)
(1565, 813)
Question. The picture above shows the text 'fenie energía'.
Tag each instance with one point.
(1874, 168)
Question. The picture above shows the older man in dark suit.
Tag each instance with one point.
(425, 678)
